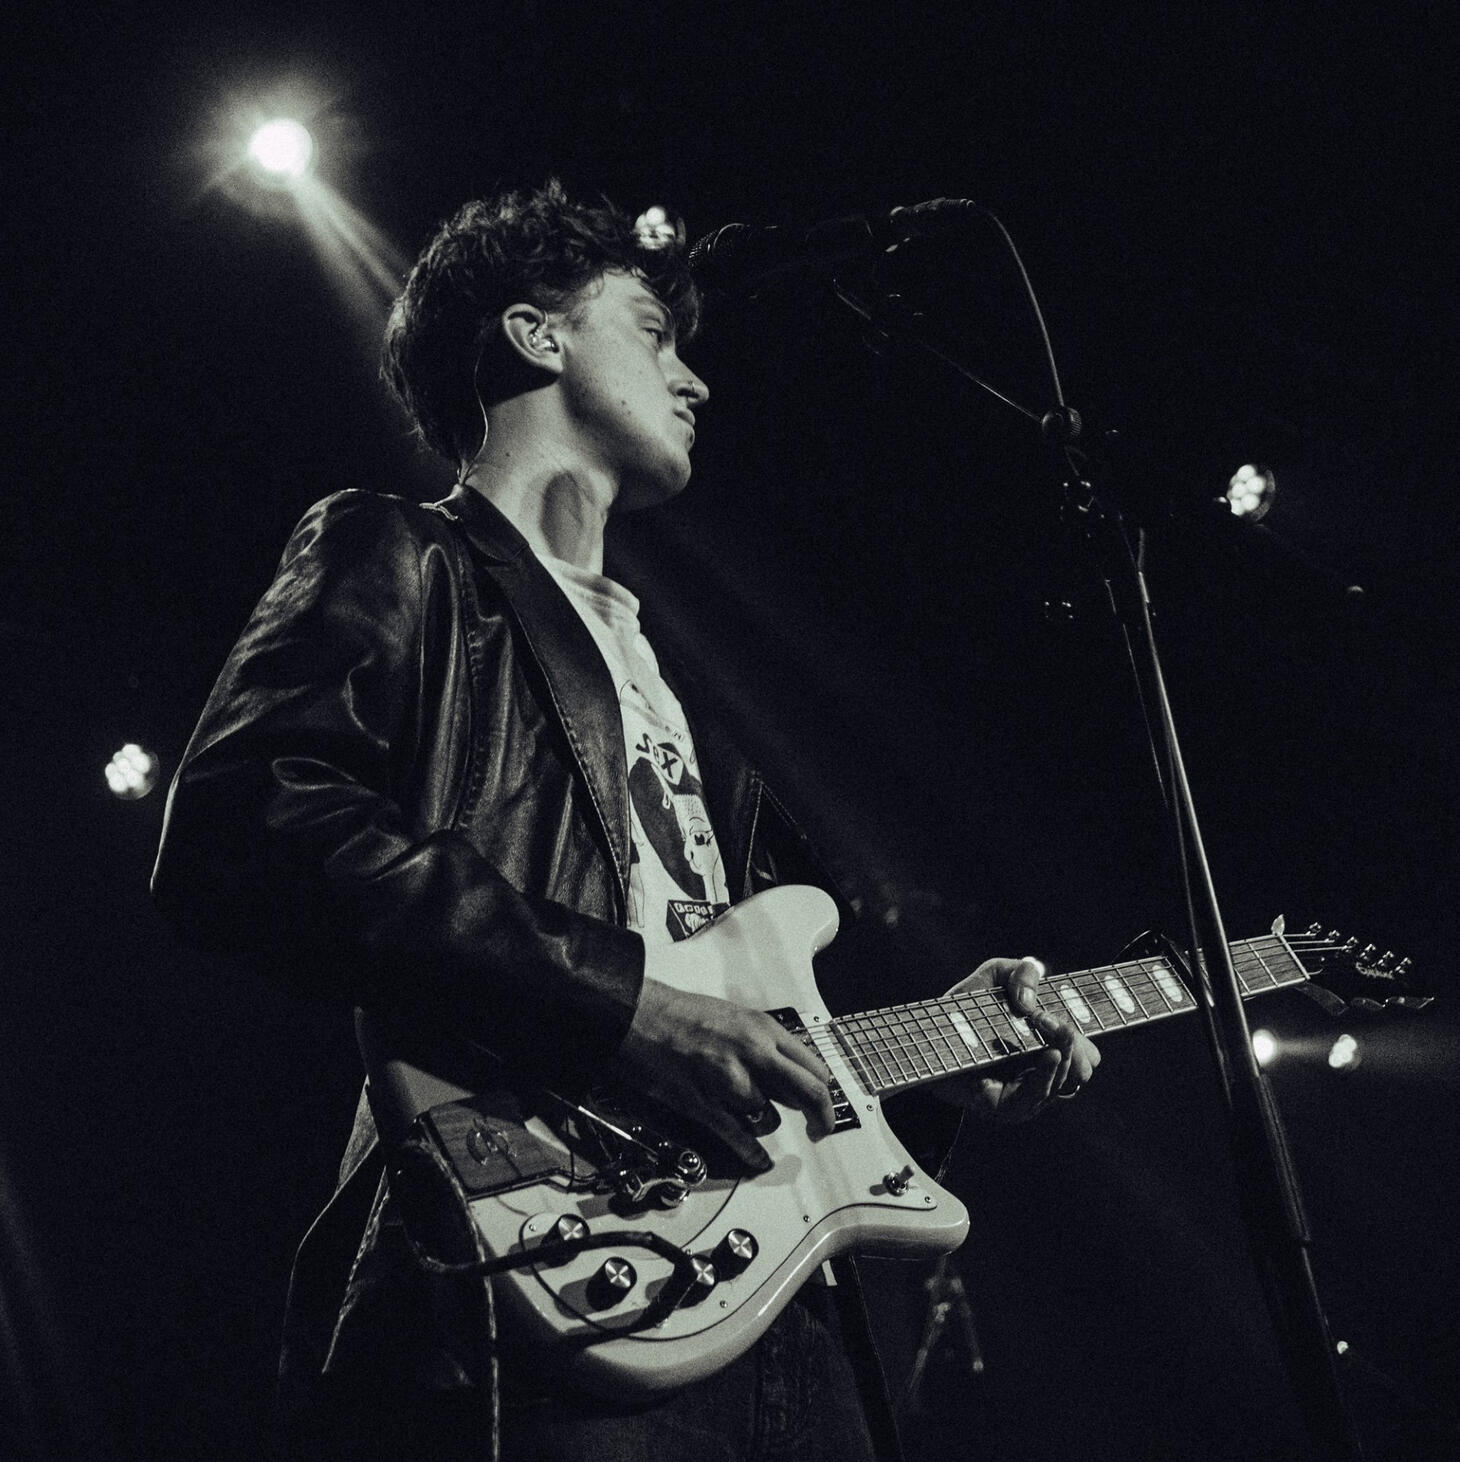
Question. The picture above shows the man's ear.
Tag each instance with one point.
(528, 335)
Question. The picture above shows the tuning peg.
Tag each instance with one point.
(1313, 931)
(1403, 969)
(1367, 953)
(1334, 937)
(1383, 963)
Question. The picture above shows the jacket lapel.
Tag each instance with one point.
(582, 691)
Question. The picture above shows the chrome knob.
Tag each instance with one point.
(735, 1253)
(567, 1228)
(702, 1280)
(613, 1283)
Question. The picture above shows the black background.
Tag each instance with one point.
(1240, 224)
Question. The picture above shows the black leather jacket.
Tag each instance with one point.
(409, 785)
(408, 789)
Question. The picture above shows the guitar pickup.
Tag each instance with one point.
(842, 1109)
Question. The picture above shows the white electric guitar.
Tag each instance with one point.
(632, 1244)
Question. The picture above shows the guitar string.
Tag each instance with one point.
(990, 1004)
(887, 1036)
(863, 1040)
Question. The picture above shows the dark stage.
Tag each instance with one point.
(1240, 224)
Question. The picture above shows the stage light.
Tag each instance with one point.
(1344, 1055)
(657, 228)
(282, 149)
(1251, 491)
(1264, 1047)
(132, 772)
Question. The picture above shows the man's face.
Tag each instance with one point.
(627, 390)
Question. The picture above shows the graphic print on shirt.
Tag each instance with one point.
(674, 857)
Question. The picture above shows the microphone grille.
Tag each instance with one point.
(933, 216)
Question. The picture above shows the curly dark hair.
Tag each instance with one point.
(536, 245)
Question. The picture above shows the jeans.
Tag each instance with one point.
(791, 1398)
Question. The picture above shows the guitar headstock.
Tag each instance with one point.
(1361, 973)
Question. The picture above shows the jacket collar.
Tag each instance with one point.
(578, 682)
(491, 532)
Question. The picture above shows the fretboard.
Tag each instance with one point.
(906, 1045)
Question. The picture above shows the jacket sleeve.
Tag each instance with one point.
(285, 834)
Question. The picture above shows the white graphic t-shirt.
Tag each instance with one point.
(676, 878)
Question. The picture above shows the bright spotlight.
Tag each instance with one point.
(1345, 1054)
(132, 772)
(282, 148)
(1251, 491)
(1264, 1047)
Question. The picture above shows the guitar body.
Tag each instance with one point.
(534, 1175)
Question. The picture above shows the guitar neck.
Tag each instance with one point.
(906, 1045)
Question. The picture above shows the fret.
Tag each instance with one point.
(865, 1061)
(1076, 1006)
(945, 1042)
(1256, 952)
(888, 1046)
(1147, 992)
(1173, 992)
(977, 1047)
(902, 1040)
(1123, 973)
(986, 1010)
(923, 1033)
(1100, 1000)
(1011, 1033)
(905, 1045)
(1125, 1005)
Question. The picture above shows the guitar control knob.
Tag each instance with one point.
(613, 1282)
(702, 1280)
(567, 1228)
(735, 1253)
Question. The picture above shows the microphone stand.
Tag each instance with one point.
(1267, 1182)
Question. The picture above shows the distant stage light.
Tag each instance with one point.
(1251, 491)
(658, 228)
(1264, 1047)
(281, 149)
(1344, 1055)
(132, 772)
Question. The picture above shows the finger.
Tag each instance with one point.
(731, 1130)
(1085, 1057)
(791, 1082)
(1063, 1039)
(990, 973)
(1079, 1055)
(1021, 1096)
(803, 1054)
(1022, 984)
(1045, 1075)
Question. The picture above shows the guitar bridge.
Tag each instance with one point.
(846, 1114)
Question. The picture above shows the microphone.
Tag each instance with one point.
(742, 257)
